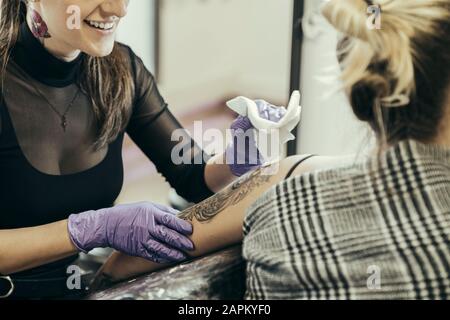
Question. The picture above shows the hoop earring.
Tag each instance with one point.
(38, 26)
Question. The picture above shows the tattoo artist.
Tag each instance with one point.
(68, 98)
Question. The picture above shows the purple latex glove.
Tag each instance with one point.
(242, 154)
(147, 230)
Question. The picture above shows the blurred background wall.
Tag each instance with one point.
(207, 51)
(329, 126)
(212, 49)
(138, 30)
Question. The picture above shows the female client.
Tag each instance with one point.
(323, 226)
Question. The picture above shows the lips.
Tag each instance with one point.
(106, 26)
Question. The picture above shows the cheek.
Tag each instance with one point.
(62, 23)
(66, 16)
(55, 18)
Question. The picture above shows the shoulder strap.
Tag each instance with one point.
(291, 171)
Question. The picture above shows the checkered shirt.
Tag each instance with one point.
(378, 229)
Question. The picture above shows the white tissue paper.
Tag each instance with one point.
(271, 136)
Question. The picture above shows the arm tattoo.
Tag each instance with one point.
(231, 195)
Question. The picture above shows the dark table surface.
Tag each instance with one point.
(220, 275)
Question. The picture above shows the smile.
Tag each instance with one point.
(106, 26)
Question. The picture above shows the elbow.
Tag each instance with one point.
(5, 268)
(8, 263)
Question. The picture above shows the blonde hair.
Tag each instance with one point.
(388, 71)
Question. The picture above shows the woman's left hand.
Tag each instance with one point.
(242, 154)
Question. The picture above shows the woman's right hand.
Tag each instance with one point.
(147, 230)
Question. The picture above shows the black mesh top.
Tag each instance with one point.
(47, 174)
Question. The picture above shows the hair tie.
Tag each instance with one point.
(395, 101)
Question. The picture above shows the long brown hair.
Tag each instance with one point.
(107, 81)
(409, 57)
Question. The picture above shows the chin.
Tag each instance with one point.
(100, 51)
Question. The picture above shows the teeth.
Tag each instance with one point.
(101, 25)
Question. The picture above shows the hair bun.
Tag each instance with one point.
(367, 48)
(364, 94)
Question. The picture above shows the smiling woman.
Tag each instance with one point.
(94, 15)
(110, 89)
(68, 97)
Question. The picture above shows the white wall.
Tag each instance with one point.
(328, 125)
(216, 48)
(211, 49)
(137, 30)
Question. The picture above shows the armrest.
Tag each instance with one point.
(220, 276)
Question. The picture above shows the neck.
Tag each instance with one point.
(53, 67)
(57, 48)
(443, 137)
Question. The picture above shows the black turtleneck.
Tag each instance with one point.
(47, 174)
(40, 64)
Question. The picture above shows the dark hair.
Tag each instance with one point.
(408, 57)
(107, 80)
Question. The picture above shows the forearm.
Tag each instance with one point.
(217, 223)
(219, 232)
(23, 249)
(207, 237)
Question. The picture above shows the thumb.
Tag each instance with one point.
(166, 209)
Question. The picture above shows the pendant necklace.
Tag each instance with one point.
(63, 116)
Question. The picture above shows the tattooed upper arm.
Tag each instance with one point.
(231, 195)
(241, 188)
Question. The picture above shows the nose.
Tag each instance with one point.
(116, 8)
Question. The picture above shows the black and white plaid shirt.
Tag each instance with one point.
(374, 230)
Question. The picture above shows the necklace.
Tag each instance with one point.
(63, 116)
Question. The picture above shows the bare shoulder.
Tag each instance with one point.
(310, 164)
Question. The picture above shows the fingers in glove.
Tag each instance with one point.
(173, 238)
(174, 223)
(269, 111)
(263, 108)
(275, 115)
(150, 256)
(167, 209)
(241, 122)
(161, 252)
